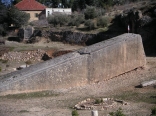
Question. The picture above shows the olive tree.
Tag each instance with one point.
(58, 19)
(90, 12)
(18, 18)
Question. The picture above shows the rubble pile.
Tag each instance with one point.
(35, 55)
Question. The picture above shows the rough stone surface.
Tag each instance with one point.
(101, 61)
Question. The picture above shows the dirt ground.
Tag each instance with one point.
(61, 102)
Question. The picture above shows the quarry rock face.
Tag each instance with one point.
(141, 21)
(95, 63)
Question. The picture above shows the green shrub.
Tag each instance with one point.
(117, 113)
(75, 113)
(100, 11)
(58, 19)
(98, 101)
(28, 62)
(23, 111)
(102, 21)
(0, 69)
(90, 24)
(90, 12)
(76, 19)
(3, 61)
(153, 111)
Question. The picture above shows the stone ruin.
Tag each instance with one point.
(98, 104)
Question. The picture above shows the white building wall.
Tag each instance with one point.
(50, 11)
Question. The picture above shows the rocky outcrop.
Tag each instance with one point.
(131, 17)
(75, 37)
(141, 21)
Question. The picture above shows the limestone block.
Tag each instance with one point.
(98, 62)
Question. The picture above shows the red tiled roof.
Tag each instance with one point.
(30, 5)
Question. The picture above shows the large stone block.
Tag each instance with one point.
(91, 64)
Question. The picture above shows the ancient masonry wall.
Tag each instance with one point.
(91, 64)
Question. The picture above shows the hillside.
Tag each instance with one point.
(56, 41)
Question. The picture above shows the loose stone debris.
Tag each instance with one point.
(148, 83)
(103, 104)
(23, 56)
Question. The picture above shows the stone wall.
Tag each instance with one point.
(94, 63)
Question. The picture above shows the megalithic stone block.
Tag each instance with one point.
(98, 62)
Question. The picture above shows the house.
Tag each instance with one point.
(50, 11)
(34, 8)
(38, 11)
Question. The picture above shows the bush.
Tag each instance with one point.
(90, 24)
(28, 62)
(153, 111)
(3, 61)
(58, 19)
(75, 113)
(90, 12)
(0, 69)
(98, 101)
(102, 21)
(117, 113)
(100, 11)
(76, 19)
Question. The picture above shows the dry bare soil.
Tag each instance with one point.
(61, 102)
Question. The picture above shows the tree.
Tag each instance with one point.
(3, 19)
(90, 2)
(71, 3)
(3, 13)
(18, 18)
(16, 1)
(58, 19)
(65, 3)
(56, 3)
(82, 4)
(102, 21)
(90, 12)
(75, 5)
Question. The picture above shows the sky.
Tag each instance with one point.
(7, 2)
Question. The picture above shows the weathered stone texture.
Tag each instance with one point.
(94, 63)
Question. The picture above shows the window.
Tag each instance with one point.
(36, 14)
(48, 13)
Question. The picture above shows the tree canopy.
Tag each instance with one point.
(18, 18)
(11, 15)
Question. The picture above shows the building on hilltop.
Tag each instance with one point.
(38, 11)
(34, 8)
(50, 11)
